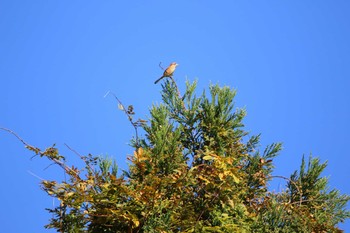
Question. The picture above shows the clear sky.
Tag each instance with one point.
(289, 61)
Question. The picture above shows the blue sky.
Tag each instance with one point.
(289, 61)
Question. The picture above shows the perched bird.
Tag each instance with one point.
(168, 71)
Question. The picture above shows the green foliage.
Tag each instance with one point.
(195, 170)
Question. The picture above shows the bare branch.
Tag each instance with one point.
(127, 113)
(41, 153)
(14, 134)
(106, 94)
(80, 156)
(35, 175)
(74, 151)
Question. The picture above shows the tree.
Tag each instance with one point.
(195, 170)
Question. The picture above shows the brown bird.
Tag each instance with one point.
(168, 71)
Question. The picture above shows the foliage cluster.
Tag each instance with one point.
(195, 170)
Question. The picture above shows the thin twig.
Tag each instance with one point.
(74, 151)
(106, 94)
(14, 134)
(134, 124)
(56, 161)
(35, 175)
(83, 158)
(80, 156)
(49, 166)
(295, 184)
(161, 66)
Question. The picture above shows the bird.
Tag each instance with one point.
(168, 71)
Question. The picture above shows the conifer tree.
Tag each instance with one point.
(195, 170)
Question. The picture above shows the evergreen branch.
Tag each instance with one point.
(316, 200)
(166, 136)
(177, 89)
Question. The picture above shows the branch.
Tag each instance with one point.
(296, 186)
(128, 114)
(35, 175)
(14, 134)
(41, 153)
(81, 157)
(177, 89)
(161, 66)
(316, 200)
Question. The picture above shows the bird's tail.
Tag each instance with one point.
(158, 80)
